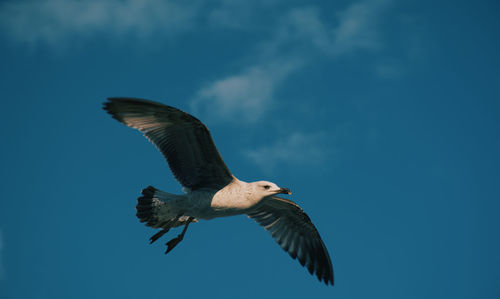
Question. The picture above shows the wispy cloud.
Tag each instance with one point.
(299, 37)
(298, 149)
(244, 97)
(358, 26)
(355, 28)
(57, 21)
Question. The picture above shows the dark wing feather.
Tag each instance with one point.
(292, 229)
(183, 140)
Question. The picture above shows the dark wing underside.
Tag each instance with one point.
(292, 229)
(183, 140)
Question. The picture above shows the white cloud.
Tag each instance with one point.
(244, 97)
(356, 28)
(56, 21)
(298, 149)
(298, 36)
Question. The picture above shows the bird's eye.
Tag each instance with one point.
(267, 187)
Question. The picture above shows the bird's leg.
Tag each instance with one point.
(172, 243)
(166, 227)
(159, 234)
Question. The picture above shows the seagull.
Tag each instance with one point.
(211, 190)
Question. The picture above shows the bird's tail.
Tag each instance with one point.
(145, 206)
(157, 208)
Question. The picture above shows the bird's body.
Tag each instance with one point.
(211, 191)
(234, 199)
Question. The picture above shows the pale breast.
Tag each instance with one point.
(228, 201)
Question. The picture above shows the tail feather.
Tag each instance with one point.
(145, 207)
(152, 208)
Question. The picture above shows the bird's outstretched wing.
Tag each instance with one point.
(183, 140)
(292, 229)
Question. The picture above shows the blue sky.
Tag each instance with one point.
(381, 116)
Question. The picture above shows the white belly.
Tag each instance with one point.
(221, 203)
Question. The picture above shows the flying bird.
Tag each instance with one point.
(211, 190)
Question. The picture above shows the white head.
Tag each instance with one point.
(264, 188)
